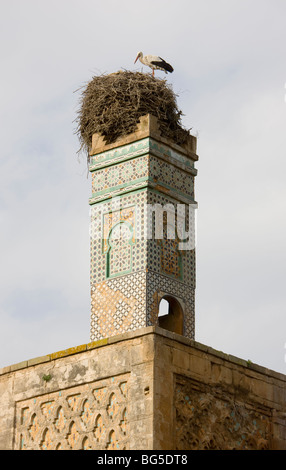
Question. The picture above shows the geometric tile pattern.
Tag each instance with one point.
(87, 417)
(118, 305)
(130, 269)
(174, 179)
(112, 219)
(120, 174)
(119, 256)
(143, 167)
(163, 255)
(103, 220)
(171, 258)
(132, 301)
(118, 154)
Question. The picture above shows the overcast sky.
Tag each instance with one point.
(230, 74)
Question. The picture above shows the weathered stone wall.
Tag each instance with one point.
(218, 401)
(94, 396)
(148, 389)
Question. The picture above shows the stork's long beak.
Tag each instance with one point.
(136, 59)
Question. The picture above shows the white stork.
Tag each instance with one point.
(154, 62)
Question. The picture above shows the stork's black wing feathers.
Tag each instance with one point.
(163, 64)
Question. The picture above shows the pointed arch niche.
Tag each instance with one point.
(119, 254)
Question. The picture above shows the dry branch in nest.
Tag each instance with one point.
(111, 105)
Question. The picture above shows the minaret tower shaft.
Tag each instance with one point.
(142, 232)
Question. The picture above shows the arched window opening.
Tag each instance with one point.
(170, 315)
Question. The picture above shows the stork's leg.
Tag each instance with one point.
(153, 73)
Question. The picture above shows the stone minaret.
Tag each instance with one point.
(152, 388)
(142, 190)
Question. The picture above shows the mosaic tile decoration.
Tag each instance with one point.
(120, 174)
(143, 169)
(171, 258)
(118, 305)
(119, 244)
(166, 258)
(128, 269)
(137, 165)
(120, 153)
(110, 220)
(87, 417)
(138, 148)
(103, 220)
(132, 301)
(171, 177)
(147, 253)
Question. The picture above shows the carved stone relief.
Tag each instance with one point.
(207, 417)
(87, 417)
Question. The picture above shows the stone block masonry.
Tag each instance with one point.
(148, 389)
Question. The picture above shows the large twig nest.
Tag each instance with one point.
(111, 105)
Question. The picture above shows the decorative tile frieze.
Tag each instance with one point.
(139, 148)
(120, 174)
(119, 154)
